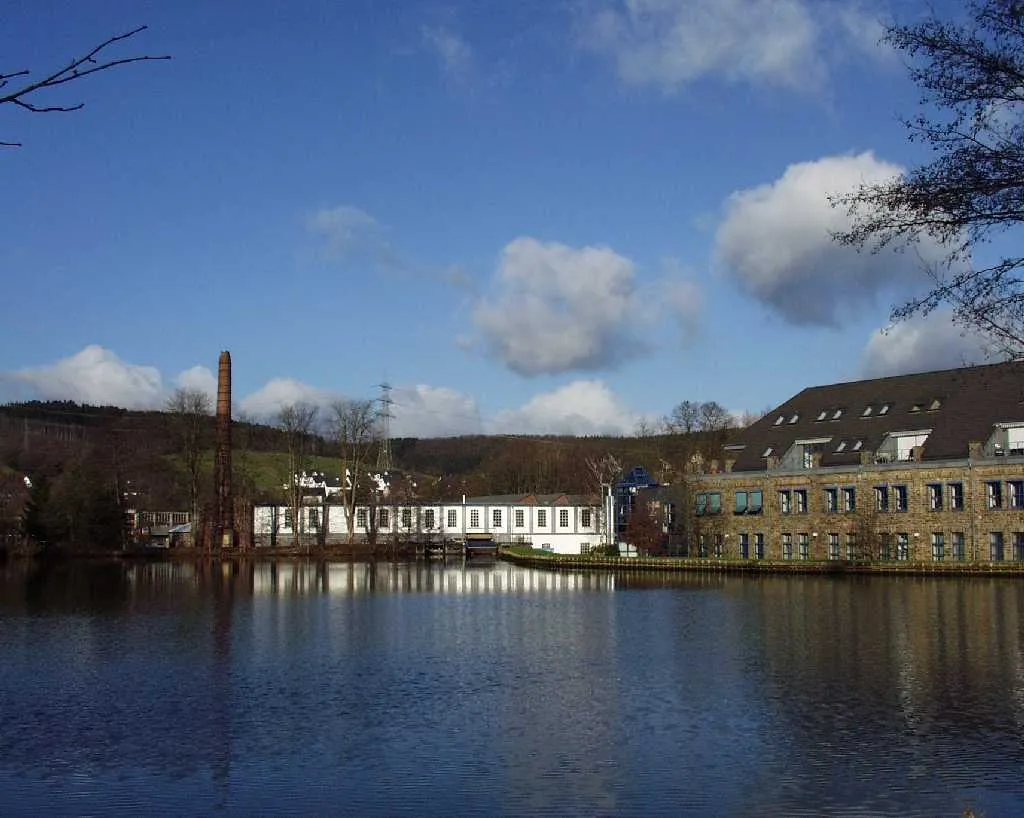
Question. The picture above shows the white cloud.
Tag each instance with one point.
(455, 54)
(558, 308)
(684, 301)
(266, 401)
(95, 376)
(586, 407)
(776, 243)
(200, 379)
(433, 411)
(670, 43)
(921, 345)
(353, 235)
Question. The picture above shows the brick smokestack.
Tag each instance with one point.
(224, 520)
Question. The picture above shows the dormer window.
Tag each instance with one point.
(935, 404)
(837, 414)
(857, 445)
(841, 447)
(794, 419)
(917, 407)
(780, 420)
(823, 414)
(767, 452)
(884, 409)
(866, 412)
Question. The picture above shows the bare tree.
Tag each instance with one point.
(18, 89)
(971, 76)
(298, 422)
(715, 418)
(353, 428)
(189, 410)
(685, 418)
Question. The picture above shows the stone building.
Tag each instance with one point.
(925, 467)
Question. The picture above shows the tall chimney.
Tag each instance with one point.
(224, 521)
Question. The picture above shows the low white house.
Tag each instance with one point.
(561, 523)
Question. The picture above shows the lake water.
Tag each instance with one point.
(419, 689)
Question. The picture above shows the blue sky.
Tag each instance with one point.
(527, 217)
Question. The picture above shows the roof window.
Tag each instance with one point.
(884, 408)
(823, 414)
(780, 420)
(866, 412)
(795, 418)
(841, 447)
(837, 414)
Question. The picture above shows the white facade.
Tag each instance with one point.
(560, 527)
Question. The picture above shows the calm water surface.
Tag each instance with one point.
(492, 690)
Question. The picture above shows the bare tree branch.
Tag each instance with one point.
(75, 70)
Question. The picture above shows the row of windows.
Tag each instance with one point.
(881, 409)
(384, 518)
(893, 547)
(843, 499)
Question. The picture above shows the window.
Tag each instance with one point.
(702, 545)
(832, 499)
(833, 546)
(780, 420)
(563, 518)
(383, 517)
(841, 447)
(804, 543)
(808, 457)
(955, 495)
(749, 502)
(453, 518)
(885, 547)
(995, 546)
(759, 546)
(857, 445)
(785, 501)
(851, 545)
(1016, 490)
(585, 517)
(884, 410)
(849, 499)
(787, 546)
(361, 518)
(837, 414)
(709, 502)
(288, 518)
(903, 547)
(800, 500)
(994, 494)
(520, 518)
(866, 412)
(428, 518)
(744, 545)
(1018, 546)
(935, 496)
(959, 552)
(718, 546)
(542, 517)
(899, 494)
(938, 546)
(474, 518)
(881, 498)
(767, 452)
(406, 518)
(823, 414)
(496, 517)
(795, 418)
(314, 519)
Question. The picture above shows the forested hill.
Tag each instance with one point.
(145, 446)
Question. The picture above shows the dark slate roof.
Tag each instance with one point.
(958, 405)
(528, 500)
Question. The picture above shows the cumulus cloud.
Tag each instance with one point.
(432, 411)
(95, 376)
(199, 379)
(585, 407)
(353, 235)
(266, 401)
(559, 308)
(775, 242)
(921, 345)
(670, 43)
(453, 51)
(684, 302)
